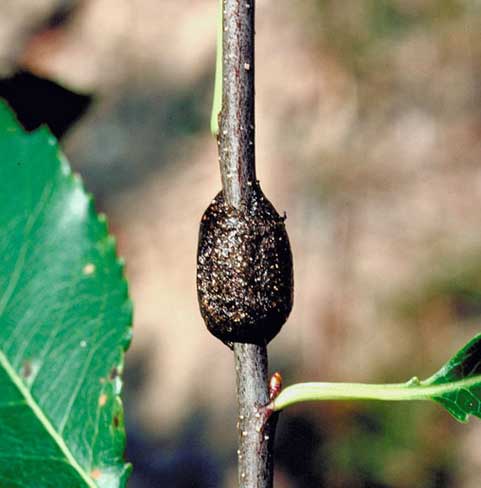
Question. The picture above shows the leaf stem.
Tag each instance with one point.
(217, 98)
(411, 390)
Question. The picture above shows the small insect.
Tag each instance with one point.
(275, 385)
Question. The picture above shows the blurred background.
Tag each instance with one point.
(369, 137)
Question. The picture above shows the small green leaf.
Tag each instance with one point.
(463, 371)
(65, 320)
(456, 386)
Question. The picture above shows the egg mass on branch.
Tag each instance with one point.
(244, 270)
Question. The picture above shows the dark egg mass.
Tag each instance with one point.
(244, 270)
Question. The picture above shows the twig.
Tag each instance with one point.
(256, 425)
(237, 124)
(236, 140)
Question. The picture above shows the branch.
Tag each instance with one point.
(237, 125)
(236, 140)
(256, 426)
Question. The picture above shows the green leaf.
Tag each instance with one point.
(456, 386)
(65, 320)
(464, 371)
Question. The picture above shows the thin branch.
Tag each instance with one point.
(256, 425)
(237, 124)
(236, 140)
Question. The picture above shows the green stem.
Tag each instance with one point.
(217, 99)
(412, 390)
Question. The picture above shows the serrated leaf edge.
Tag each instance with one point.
(76, 181)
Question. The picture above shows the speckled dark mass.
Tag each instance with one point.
(244, 270)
